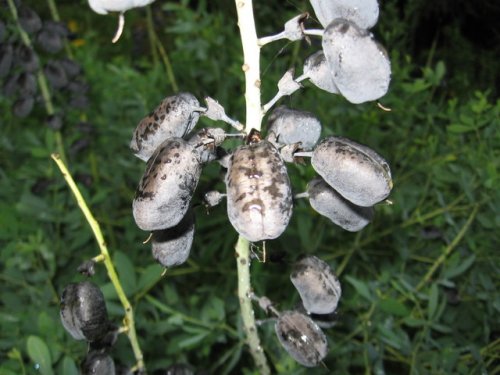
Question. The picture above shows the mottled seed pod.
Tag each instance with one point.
(355, 171)
(259, 195)
(167, 186)
(292, 126)
(317, 285)
(98, 362)
(317, 70)
(83, 311)
(301, 338)
(176, 116)
(326, 201)
(363, 13)
(360, 66)
(105, 6)
(171, 247)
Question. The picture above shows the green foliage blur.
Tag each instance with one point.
(421, 286)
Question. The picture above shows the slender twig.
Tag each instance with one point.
(254, 114)
(94, 225)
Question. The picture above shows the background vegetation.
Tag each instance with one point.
(420, 284)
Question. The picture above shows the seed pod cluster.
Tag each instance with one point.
(259, 195)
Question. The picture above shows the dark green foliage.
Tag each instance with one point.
(441, 140)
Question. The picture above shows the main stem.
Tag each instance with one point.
(254, 114)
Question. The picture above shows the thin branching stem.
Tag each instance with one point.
(128, 321)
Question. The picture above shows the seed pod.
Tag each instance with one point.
(29, 20)
(318, 287)
(259, 195)
(27, 84)
(167, 186)
(360, 66)
(27, 58)
(292, 126)
(355, 171)
(6, 58)
(3, 31)
(71, 67)
(171, 246)
(206, 143)
(363, 13)
(55, 74)
(83, 311)
(176, 116)
(317, 70)
(326, 201)
(23, 106)
(98, 362)
(50, 40)
(301, 338)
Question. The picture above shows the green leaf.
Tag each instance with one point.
(149, 276)
(360, 287)
(68, 366)
(394, 307)
(126, 272)
(461, 268)
(39, 353)
(433, 301)
(459, 128)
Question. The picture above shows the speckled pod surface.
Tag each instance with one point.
(98, 363)
(363, 13)
(355, 171)
(171, 247)
(301, 338)
(259, 196)
(291, 126)
(317, 285)
(83, 311)
(176, 116)
(319, 73)
(326, 201)
(360, 66)
(167, 186)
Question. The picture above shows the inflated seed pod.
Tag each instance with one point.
(23, 106)
(55, 74)
(317, 70)
(6, 58)
(301, 338)
(317, 285)
(29, 20)
(167, 186)
(360, 66)
(291, 126)
(355, 171)
(259, 195)
(363, 13)
(27, 58)
(98, 362)
(171, 246)
(83, 311)
(326, 201)
(176, 116)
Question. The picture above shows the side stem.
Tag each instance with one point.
(94, 225)
(254, 114)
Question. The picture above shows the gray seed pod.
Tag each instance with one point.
(167, 186)
(317, 70)
(364, 13)
(318, 287)
(171, 247)
(259, 195)
(326, 201)
(360, 66)
(291, 126)
(176, 116)
(355, 171)
(98, 363)
(301, 338)
(83, 311)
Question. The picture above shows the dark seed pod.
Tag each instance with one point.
(55, 122)
(355, 171)
(27, 84)
(98, 362)
(3, 31)
(360, 66)
(171, 247)
(55, 74)
(326, 201)
(259, 195)
(301, 338)
(176, 116)
(71, 67)
(77, 86)
(363, 13)
(29, 20)
(56, 27)
(318, 287)
(79, 101)
(50, 41)
(317, 70)
(11, 85)
(23, 106)
(6, 58)
(83, 311)
(27, 58)
(167, 186)
(292, 126)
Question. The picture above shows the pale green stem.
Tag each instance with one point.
(106, 259)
